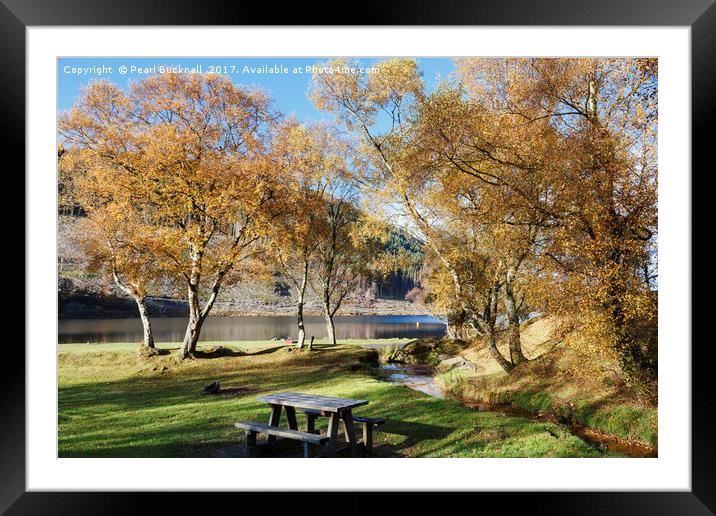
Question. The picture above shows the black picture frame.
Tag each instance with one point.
(17, 15)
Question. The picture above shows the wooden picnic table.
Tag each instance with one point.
(336, 409)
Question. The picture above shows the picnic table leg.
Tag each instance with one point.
(368, 438)
(291, 418)
(347, 416)
(333, 423)
(274, 419)
(311, 423)
(250, 442)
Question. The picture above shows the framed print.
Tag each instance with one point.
(264, 257)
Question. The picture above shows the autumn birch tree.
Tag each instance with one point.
(601, 115)
(344, 255)
(115, 234)
(408, 171)
(194, 146)
(304, 154)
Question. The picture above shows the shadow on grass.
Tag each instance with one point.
(235, 391)
(264, 351)
(217, 352)
(413, 433)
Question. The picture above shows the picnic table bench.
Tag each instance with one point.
(338, 410)
(252, 428)
(367, 422)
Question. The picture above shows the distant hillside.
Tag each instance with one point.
(81, 294)
(396, 284)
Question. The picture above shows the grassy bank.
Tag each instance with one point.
(113, 404)
(556, 382)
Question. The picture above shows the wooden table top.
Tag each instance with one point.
(311, 401)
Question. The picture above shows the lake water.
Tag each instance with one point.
(171, 329)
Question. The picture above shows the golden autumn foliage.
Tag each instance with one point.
(317, 240)
(532, 181)
(185, 154)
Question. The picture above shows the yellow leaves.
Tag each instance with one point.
(331, 91)
(172, 173)
(394, 80)
(359, 98)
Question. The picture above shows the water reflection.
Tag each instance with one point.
(171, 329)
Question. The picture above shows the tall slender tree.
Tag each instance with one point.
(344, 254)
(308, 157)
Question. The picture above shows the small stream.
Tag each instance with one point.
(421, 378)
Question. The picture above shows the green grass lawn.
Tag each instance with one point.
(113, 404)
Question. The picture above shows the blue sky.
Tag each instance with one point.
(288, 90)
